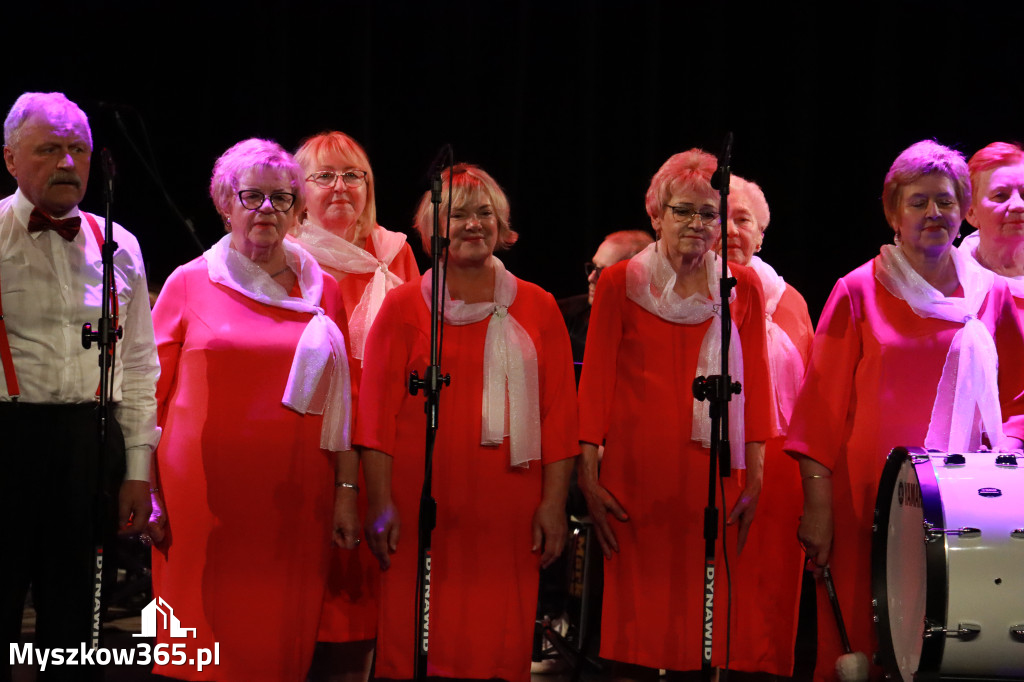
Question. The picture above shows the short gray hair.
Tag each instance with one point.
(32, 102)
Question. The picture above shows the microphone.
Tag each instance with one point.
(442, 159)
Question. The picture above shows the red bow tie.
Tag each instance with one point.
(67, 228)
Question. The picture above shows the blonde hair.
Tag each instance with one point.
(467, 181)
(317, 149)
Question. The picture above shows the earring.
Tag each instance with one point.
(897, 239)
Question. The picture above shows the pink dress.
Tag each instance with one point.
(249, 493)
(635, 395)
(870, 386)
(484, 577)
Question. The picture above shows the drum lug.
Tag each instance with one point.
(932, 534)
(964, 631)
(1017, 533)
(1017, 632)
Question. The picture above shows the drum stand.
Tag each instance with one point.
(585, 573)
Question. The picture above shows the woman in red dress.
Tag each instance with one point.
(653, 329)
(883, 374)
(505, 448)
(340, 230)
(771, 568)
(997, 210)
(255, 407)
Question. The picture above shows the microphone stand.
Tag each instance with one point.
(718, 391)
(106, 338)
(431, 386)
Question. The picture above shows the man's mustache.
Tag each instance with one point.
(64, 178)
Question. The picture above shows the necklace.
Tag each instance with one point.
(280, 272)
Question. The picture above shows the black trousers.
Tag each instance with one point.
(50, 510)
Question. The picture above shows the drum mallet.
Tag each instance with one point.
(850, 667)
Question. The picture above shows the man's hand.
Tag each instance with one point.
(133, 507)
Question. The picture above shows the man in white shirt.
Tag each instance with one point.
(50, 285)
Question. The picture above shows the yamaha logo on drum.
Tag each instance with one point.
(909, 494)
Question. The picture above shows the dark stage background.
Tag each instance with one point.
(571, 105)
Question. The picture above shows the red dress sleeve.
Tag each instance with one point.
(333, 304)
(600, 357)
(819, 424)
(170, 328)
(387, 354)
(792, 316)
(754, 340)
(558, 418)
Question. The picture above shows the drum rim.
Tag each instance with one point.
(936, 579)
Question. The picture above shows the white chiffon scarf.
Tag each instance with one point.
(331, 250)
(510, 367)
(967, 398)
(969, 247)
(318, 382)
(784, 359)
(649, 283)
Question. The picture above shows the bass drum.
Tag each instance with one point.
(947, 566)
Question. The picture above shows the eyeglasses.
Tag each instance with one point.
(686, 214)
(327, 178)
(253, 199)
(592, 269)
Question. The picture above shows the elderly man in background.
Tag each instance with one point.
(50, 284)
(576, 309)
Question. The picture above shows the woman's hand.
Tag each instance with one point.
(815, 534)
(600, 502)
(156, 529)
(1008, 444)
(743, 513)
(549, 531)
(382, 523)
(382, 530)
(815, 531)
(346, 518)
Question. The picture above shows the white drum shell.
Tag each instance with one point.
(984, 573)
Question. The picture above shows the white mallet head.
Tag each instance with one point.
(852, 667)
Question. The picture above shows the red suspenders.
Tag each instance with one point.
(5, 347)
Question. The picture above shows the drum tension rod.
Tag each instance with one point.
(964, 631)
(1017, 632)
(931, 533)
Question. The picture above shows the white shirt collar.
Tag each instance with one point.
(23, 208)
